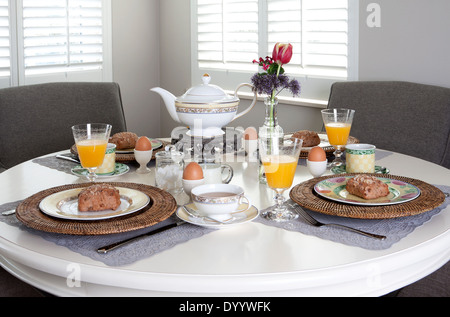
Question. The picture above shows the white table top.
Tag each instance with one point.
(247, 260)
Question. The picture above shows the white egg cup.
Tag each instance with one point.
(189, 184)
(317, 168)
(250, 147)
(143, 157)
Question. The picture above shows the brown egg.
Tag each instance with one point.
(250, 134)
(317, 154)
(143, 144)
(193, 171)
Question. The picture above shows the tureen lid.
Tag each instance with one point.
(206, 93)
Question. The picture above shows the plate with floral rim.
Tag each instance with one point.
(334, 189)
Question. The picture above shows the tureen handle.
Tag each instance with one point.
(255, 98)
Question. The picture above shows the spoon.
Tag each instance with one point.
(194, 214)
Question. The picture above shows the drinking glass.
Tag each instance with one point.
(279, 159)
(91, 140)
(338, 123)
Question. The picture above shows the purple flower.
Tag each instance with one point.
(269, 84)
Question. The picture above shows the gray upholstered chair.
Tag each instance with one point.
(408, 118)
(404, 117)
(36, 119)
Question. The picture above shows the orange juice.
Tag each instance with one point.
(338, 133)
(280, 170)
(92, 152)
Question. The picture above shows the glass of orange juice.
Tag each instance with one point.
(91, 140)
(280, 159)
(338, 123)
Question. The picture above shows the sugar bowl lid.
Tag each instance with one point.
(206, 93)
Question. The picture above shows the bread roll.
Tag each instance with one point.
(310, 138)
(124, 140)
(367, 187)
(99, 197)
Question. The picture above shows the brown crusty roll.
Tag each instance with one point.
(367, 187)
(124, 140)
(99, 197)
(310, 138)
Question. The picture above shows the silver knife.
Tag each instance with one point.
(105, 249)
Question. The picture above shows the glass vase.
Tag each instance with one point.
(270, 130)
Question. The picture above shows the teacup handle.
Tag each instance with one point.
(230, 173)
(249, 204)
(255, 98)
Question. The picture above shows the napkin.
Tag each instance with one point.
(394, 229)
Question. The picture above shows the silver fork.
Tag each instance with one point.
(316, 223)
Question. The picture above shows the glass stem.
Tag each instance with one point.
(91, 176)
(280, 200)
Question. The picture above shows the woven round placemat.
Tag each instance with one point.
(125, 157)
(161, 206)
(429, 199)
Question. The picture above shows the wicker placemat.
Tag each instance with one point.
(126, 157)
(162, 205)
(430, 198)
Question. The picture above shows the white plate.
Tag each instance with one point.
(238, 218)
(64, 205)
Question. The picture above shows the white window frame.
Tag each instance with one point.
(17, 76)
(314, 89)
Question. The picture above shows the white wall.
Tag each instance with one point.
(412, 44)
(136, 62)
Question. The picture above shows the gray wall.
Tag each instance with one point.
(412, 44)
(136, 62)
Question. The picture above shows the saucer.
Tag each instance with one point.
(119, 170)
(342, 169)
(238, 218)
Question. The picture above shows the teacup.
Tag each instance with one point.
(219, 199)
(360, 158)
(109, 163)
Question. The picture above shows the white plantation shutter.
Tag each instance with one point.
(54, 40)
(61, 35)
(227, 33)
(5, 54)
(230, 34)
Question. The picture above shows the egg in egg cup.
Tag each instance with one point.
(143, 153)
(192, 177)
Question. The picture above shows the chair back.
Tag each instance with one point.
(36, 120)
(404, 117)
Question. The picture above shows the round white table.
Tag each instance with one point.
(252, 259)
